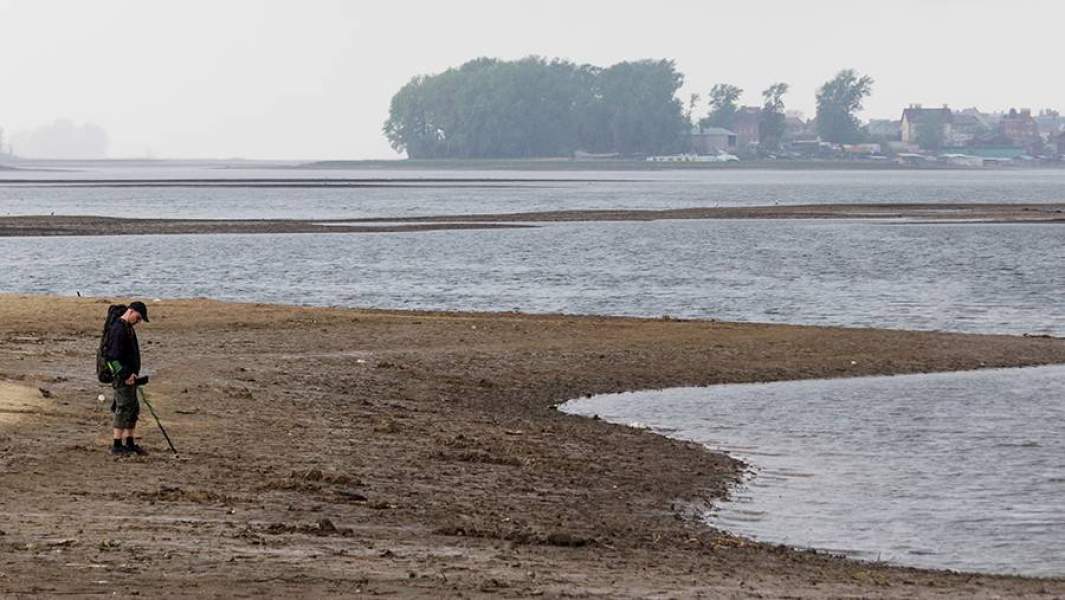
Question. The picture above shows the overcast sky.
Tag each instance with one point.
(309, 79)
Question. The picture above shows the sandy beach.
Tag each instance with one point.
(336, 452)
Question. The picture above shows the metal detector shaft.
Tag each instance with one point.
(151, 409)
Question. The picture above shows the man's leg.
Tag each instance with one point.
(127, 433)
(127, 437)
(126, 409)
(116, 440)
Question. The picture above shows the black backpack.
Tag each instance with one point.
(103, 372)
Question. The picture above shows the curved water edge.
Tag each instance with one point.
(960, 471)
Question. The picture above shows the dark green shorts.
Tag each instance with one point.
(125, 407)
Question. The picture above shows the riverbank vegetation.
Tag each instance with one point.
(536, 108)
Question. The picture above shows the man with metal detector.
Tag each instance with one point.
(123, 357)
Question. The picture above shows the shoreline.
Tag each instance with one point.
(528, 164)
(423, 443)
(570, 164)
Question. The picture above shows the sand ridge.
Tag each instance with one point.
(16, 401)
(929, 214)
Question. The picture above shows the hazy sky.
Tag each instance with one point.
(313, 78)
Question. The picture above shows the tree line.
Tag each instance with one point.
(534, 107)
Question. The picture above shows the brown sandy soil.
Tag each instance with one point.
(926, 213)
(335, 453)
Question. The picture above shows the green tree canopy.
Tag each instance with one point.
(724, 102)
(838, 101)
(771, 119)
(537, 108)
(929, 130)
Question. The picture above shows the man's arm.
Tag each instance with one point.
(116, 351)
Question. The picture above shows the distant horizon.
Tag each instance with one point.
(400, 157)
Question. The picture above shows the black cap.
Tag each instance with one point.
(140, 308)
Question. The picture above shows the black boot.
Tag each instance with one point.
(133, 448)
(117, 449)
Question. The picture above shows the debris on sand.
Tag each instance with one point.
(173, 493)
(320, 475)
(323, 527)
(388, 426)
(518, 535)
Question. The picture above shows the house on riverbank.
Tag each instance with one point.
(712, 140)
(1019, 127)
(919, 124)
(747, 124)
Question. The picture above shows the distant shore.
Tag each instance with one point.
(565, 164)
(416, 454)
(532, 164)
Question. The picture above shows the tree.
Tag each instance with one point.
(645, 116)
(689, 112)
(837, 102)
(490, 108)
(534, 107)
(723, 106)
(930, 131)
(771, 124)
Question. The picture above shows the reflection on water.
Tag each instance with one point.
(962, 471)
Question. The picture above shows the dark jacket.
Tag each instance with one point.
(122, 348)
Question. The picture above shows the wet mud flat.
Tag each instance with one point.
(918, 212)
(32, 226)
(59, 225)
(337, 452)
(298, 183)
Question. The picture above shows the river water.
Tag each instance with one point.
(494, 191)
(960, 471)
(959, 277)
(972, 278)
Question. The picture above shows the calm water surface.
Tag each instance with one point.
(962, 471)
(557, 190)
(975, 278)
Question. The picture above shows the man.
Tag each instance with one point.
(123, 357)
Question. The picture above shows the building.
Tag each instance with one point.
(798, 128)
(746, 123)
(917, 120)
(969, 125)
(712, 140)
(1050, 123)
(1020, 128)
(1061, 144)
(884, 129)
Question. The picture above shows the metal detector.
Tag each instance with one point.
(151, 409)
